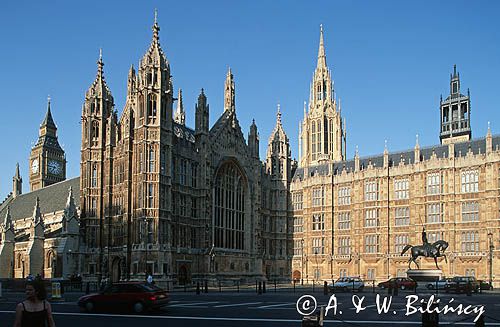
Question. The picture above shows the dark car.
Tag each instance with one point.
(135, 296)
(399, 282)
(485, 285)
(462, 284)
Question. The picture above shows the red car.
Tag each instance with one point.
(399, 282)
(134, 296)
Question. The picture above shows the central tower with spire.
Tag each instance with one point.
(322, 133)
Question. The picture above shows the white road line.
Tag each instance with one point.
(275, 305)
(236, 305)
(192, 304)
(371, 322)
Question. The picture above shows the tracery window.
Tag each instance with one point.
(229, 207)
(470, 181)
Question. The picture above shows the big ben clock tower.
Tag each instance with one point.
(47, 159)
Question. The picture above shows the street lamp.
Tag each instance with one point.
(331, 265)
(146, 242)
(490, 237)
(302, 263)
(316, 272)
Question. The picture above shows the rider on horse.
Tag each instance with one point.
(425, 242)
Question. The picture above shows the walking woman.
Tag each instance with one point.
(35, 311)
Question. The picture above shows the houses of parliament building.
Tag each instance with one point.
(155, 196)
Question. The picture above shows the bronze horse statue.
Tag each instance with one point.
(434, 250)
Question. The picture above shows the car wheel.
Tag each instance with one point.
(430, 287)
(138, 307)
(89, 306)
(360, 289)
(403, 287)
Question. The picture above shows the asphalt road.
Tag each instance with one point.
(270, 310)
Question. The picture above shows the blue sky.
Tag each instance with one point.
(390, 60)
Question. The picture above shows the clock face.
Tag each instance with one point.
(34, 166)
(54, 167)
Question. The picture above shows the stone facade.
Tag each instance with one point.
(354, 217)
(156, 196)
(159, 197)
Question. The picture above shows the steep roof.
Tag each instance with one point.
(52, 198)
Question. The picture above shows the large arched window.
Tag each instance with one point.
(229, 208)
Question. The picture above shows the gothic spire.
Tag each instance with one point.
(70, 202)
(7, 223)
(156, 29)
(37, 215)
(99, 87)
(18, 174)
(229, 91)
(321, 50)
(180, 114)
(155, 54)
(48, 121)
(278, 116)
(100, 65)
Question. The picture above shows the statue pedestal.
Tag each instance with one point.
(422, 276)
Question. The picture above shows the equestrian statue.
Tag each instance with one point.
(434, 250)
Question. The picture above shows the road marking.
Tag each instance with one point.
(371, 322)
(236, 305)
(192, 304)
(274, 305)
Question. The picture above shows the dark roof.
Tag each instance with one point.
(49, 141)
(48, 121)
(52, 198)
(477, 146)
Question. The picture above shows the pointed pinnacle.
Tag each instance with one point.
(321, 50)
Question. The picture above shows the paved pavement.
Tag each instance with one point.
(270, 309)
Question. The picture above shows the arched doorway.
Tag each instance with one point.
(116, 270)
(296, 275)
(183, 275)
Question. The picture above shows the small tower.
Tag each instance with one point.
(201, 114)
(47, 159)
(278, 158)
(455, 113)
(7, 243)
(17, 183)
(180, 114)
(253, 140)
(35, 248)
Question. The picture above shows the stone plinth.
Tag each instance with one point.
(424, 275)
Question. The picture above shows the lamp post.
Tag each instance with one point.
(331, 265)
(302, 263)
(316, 272)
(146, 242)
(23, 266)
(490, 237)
